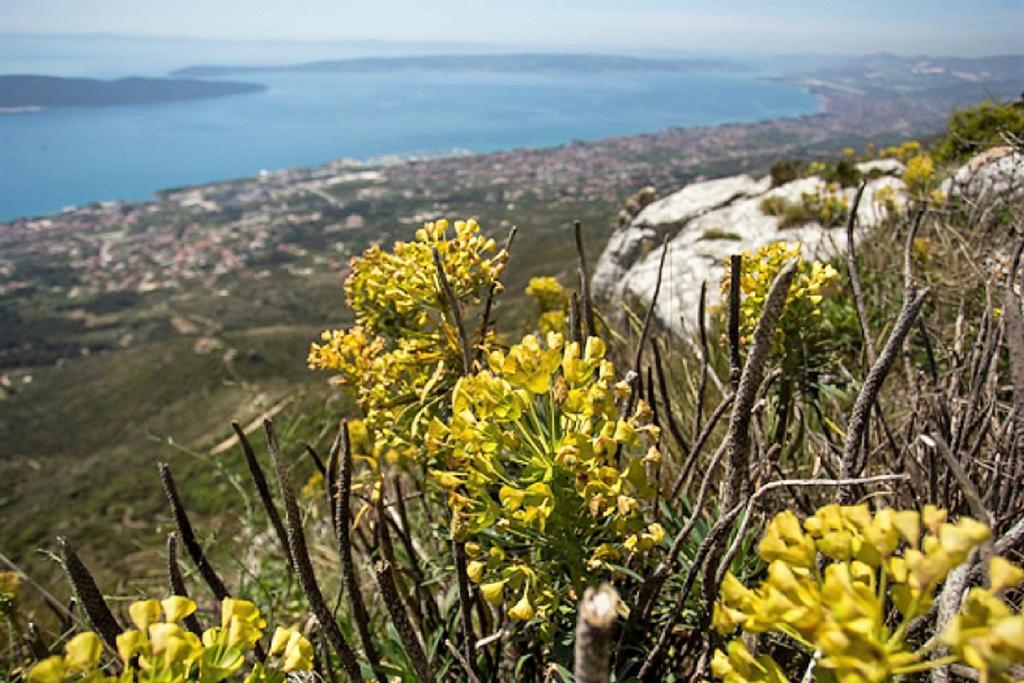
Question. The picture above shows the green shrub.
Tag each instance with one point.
(785, 171)
(843, 172)
(794, 215)
(977, 128)
(773, 206)
(719, 234)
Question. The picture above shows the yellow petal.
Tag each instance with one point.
(83, 651)
(494, 592)
(161, 634)
(177, 608)
(475, 570)
(144, 613)
(298, 655)
(1004, 574)
(522, 610)
(279, 641)
(130, 643)
(242, 609)
(50, 670)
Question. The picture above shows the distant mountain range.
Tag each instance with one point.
(22, 92)
(578, 63)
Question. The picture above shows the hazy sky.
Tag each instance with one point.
(967, 27)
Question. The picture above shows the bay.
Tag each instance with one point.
(56, 158)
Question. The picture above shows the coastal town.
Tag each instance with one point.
(66, 280)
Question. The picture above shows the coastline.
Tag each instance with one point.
(483, 141)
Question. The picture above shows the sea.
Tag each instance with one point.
(61, 157)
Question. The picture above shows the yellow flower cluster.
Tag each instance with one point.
(919, 176)
(904, 152)
(403, 353)
(885, 198)
(162, 650)
(873, 564)
(801, 326)
(544, 478)
(829, 207)
(551, 298)
(987, 634)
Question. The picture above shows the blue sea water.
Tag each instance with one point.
(69, 156)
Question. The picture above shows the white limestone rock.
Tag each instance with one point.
(630, 244)
(704, 235)
(995, 174)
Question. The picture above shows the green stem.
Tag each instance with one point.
(925, 666)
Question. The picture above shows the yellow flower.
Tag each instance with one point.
(83, 651)
(235, 609)
(739, 666)
(522, 610)
(1004, 574)
(177, 608)
(784, 540)
(295, 650)
(131, 643)
(919, 175)
(548, 292)
(144, 613)
(475, 570)
(494, 592)
(840, 610)
(298, 654)
(241, 619)
(49, 670)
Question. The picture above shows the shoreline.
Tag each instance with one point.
(390, 160)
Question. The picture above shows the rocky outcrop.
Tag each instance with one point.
(669, 215)
(996, 174)
(706, 222)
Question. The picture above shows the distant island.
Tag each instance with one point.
(23, 92)
(527, 62)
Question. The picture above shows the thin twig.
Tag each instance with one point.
(574, 323)
(649, 315)
(461, 659)
(485, 319)
(710, 541)
(967, 486)
(262, 489)
(63, 613)
(670, 419)
(318, 462)
(88, 594)
(737, 463)
(177, 582)
(735, 361)
(188, 536)
(350, 581)
(453, 311)
(302, 564)
(789, 483)
(647, 595)
(855, 285)
(698, 410)
(384, 572)
(698, 445)
(587, 300)
(850, 465)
